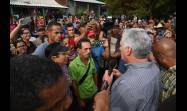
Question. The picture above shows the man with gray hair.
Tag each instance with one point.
(139, 87)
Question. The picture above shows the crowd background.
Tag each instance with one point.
(60, 38)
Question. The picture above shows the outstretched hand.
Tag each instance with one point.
(101, 101)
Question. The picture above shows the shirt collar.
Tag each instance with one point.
(139, 65)
(173, 67)
(79, 62)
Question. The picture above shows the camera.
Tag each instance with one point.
(97, 43)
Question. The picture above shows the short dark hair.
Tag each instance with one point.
(83, 24)
(53, 23)
(28, 76)
(79, 44)
(18, 40)
(69, 25)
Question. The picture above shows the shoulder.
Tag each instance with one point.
(121, 83)
(92, 60)
(42, 46)
(121, 91)
(73, 63)
(168, 75)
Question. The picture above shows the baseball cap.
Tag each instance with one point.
(59, 49)
(91, 34)
(159, 25)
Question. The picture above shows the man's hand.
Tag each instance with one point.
(20, 22)
(116, 73)
(107, 78)
(105, 43)
(101, 101)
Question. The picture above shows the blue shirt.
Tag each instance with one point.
(97, 56)
(122, 68)
(40, 50)
(136, 90)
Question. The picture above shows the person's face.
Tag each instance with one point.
(121, 25)
(26, 35)
(61, 58)
(82, 30)
(70, 31)
(40, 22)
(78, 25)
(65, 42)
(85, 50)
(94, 28)
(54, 33)
(101, 21)
(115, 32)
(41, 33)
(21, 48)
(135, 25)
(56, 97)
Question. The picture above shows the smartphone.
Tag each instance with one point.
(26, 20)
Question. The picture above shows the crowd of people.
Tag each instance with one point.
(62, 65)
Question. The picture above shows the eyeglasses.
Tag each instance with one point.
(20, 46)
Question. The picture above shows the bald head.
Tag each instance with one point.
(165, 52)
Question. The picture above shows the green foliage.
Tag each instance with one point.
(142, 8)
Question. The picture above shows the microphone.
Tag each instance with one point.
(112, 65)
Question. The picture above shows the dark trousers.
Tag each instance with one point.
(75, 105)
(88, 103)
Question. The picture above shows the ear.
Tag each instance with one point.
(128, 51)
(54, 58)
(78, 50)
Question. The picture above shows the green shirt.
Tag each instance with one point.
(76, 70)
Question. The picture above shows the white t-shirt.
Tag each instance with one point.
(32, 39)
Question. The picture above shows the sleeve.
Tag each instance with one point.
(93, 67)
(39, 51)
(122, 100)
(102, 50)
(72, 72)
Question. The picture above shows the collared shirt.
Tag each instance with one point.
(168, 83)
(136, 90)
(40, 50)
(76, 70)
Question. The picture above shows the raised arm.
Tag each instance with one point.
(15, 31)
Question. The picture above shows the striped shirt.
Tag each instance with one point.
(138, 89)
